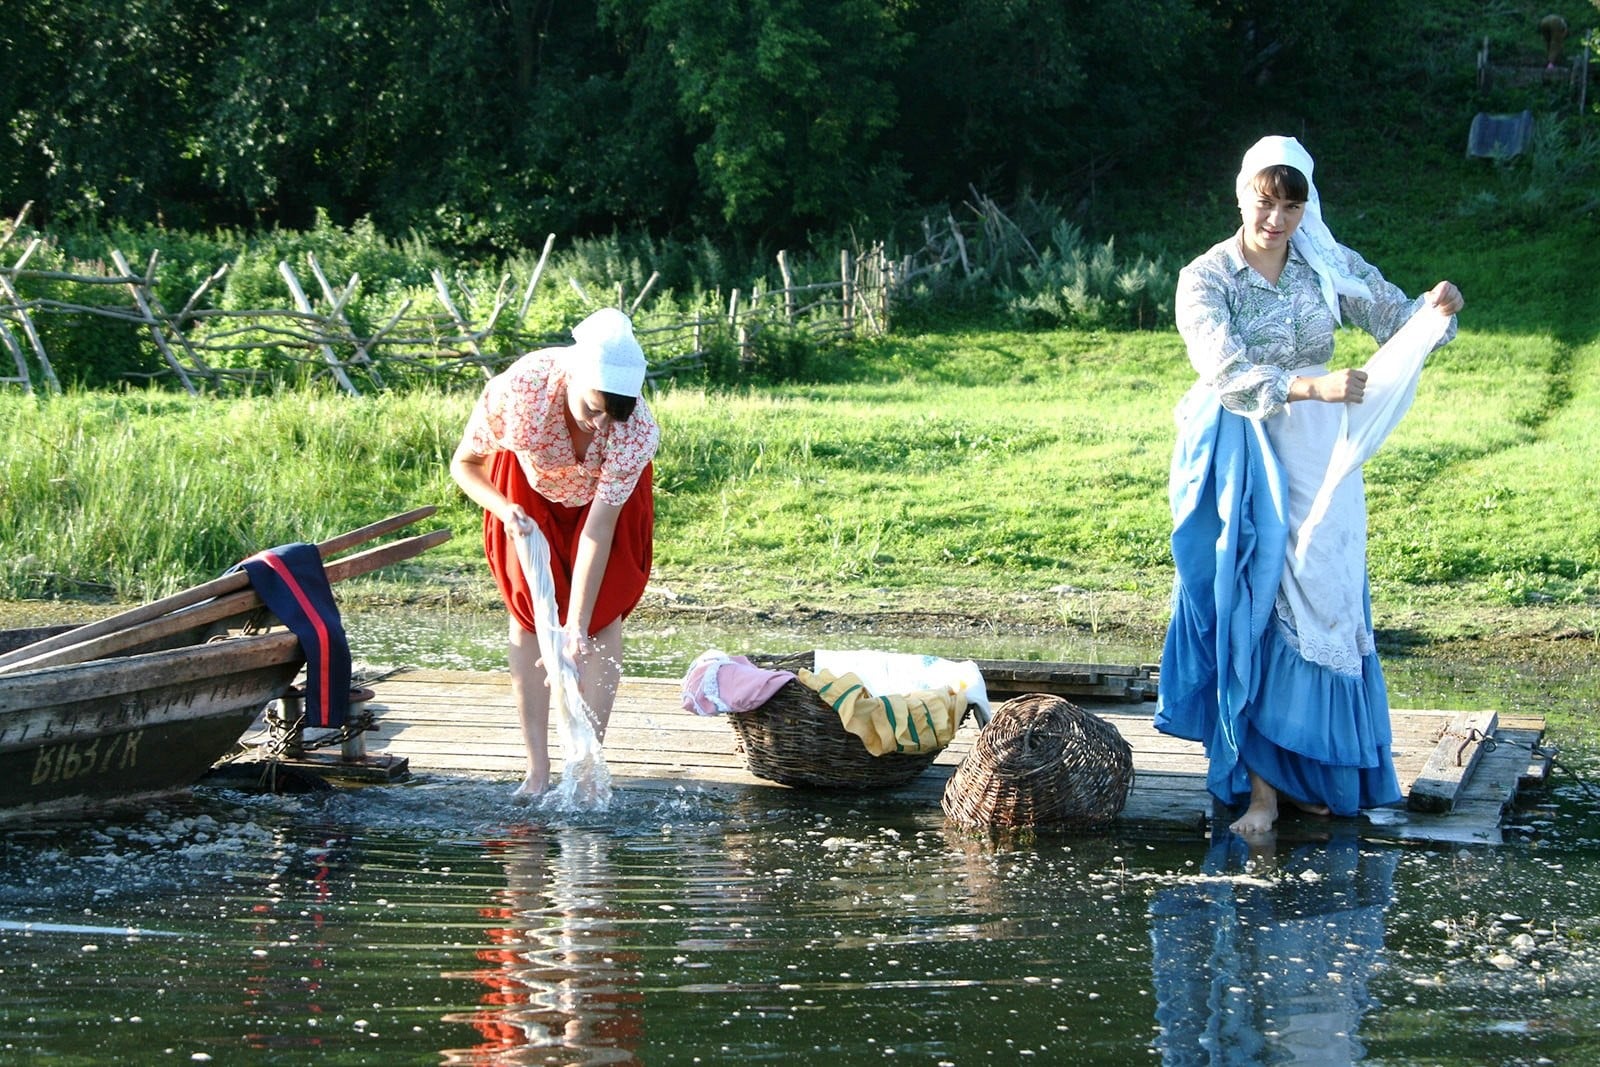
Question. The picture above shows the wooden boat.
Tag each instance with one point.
(144, 703)
(127, 728)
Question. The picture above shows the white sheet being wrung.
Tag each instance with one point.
(585, 778)
(1392, 375)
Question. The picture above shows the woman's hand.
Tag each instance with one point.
(1348, 386)
(1446, 297)
(577, 642)
(516, 520)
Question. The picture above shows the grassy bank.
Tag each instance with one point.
(1013, 475)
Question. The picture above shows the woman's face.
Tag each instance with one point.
(588, 409)
(1269, 221)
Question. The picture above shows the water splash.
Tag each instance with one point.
(585, 779)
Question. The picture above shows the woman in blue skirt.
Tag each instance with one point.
(1269, 659)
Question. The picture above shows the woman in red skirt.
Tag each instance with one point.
(562, 439)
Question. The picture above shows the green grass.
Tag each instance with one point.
(134, 495)
(977, 471)
(975, 461)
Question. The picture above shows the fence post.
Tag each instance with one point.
(336, 304)
(885, 286)
(304, 305)
(538, 270)
(847, 296)
(136, 287)
(788, 286)
(10, 341)
(469, 334)
(649, 283)
(144, 295)
(27, 322)
(443, 290)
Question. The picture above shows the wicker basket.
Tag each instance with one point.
(1041, 763)
(796, 739)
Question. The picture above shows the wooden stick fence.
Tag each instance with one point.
(471, 337)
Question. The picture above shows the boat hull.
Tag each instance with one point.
(79, 737)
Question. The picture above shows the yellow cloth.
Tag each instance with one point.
(923, 721)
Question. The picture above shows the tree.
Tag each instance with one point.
(98, 103)
(786, 103)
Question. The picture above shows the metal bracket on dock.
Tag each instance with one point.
(286, 742)
(1462, 743)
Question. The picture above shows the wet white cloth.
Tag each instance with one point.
(1392, 375)
(1322, 595)
(886, 673)
(585, 778)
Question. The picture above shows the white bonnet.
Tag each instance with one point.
(1273, 152)
(1312, 240)
(605, 355)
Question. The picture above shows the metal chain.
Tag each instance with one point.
(1492, 741)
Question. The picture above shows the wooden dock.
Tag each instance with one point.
(1460, 770)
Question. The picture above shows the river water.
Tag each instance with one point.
(439, 921)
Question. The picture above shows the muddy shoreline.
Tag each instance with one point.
(1546, 648)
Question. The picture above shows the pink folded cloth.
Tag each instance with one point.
(717, 683)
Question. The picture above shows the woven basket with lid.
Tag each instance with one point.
(1043, 763)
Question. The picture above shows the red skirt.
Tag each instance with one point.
(627, 570)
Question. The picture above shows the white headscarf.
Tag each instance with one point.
(1312, 240)
(606, 356)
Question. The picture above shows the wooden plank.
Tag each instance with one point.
(1451, 762)
(222, 612)
(228, 583)
(463, 722)
(1537, 773)
(1477, 813)
(1103, 681)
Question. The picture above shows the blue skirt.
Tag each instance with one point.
(1318, 736)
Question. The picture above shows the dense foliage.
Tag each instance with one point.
(488, 125)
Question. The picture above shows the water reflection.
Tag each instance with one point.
(283, 979)
(1267, 957)
(558, 989)
(386, 925)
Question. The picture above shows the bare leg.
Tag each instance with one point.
(1262, 812)
(530, 689)
(599, 673)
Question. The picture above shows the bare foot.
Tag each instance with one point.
(532, 787)
(1257, 819)
(1312, 809)
(1262, 812)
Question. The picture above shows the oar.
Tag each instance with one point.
(228, 583)
(232, 606)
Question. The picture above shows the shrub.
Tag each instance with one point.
(1081, 284)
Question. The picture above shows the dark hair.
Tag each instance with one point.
(1283, 182)
(620, 407)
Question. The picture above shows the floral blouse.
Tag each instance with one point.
(522, 410)
(1248, 338)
